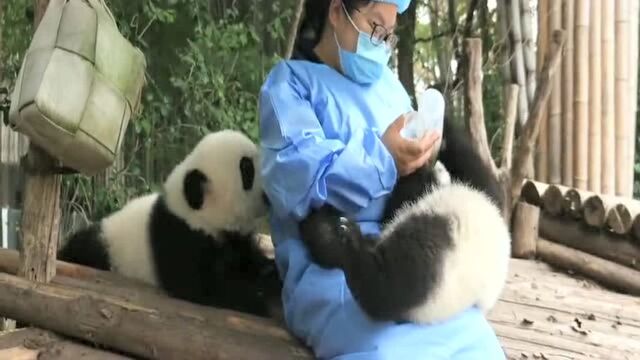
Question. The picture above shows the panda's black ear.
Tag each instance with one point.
(195, 184)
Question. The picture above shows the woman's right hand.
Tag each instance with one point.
(408, 154)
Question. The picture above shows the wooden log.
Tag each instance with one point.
(606, 272)
(473, 100)
(527, 141)
(581, 95)
(555, 107)
(553, 199)
(598, 242)
(595, 98)
(568, 21)
(621, 216)
(572, 203)
(9, 263)
(635, 229)
(125, 325)
(532, 192)
(622, 96)
(112, 284)
(542, 148)
(608, 104)
(595, 213)
(34, 344)
(525, 230)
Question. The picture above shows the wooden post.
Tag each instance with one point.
(581, 95)
(525, 230)
(622, 95)
(41, 213)
(595, 97)
(608, 104)
(555, 107)
(567, 93)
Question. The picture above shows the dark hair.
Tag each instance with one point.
(314, 19)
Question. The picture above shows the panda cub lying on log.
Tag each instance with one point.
(444, 245)
(195, 239)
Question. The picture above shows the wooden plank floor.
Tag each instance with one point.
(545, 314)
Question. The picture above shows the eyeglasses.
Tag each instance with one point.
(379, 34)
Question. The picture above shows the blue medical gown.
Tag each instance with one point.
(321, 142)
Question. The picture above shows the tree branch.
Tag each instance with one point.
(474, 107)
(293, 30)
(526, 143)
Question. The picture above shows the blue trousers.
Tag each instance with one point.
(320, 310)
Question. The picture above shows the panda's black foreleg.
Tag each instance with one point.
(321, 233)
(408, 189)
(464, 163)
(396, 273)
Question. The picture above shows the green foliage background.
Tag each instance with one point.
(206, 62)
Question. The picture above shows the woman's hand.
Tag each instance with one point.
(408, 154)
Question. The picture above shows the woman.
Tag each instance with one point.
(330, 122)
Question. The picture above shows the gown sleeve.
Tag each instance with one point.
(304, 168)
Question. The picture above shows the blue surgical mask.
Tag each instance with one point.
(367, 64)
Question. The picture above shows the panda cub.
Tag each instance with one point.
(195, 239)
(444, 245)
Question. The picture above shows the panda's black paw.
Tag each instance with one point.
(325, 233)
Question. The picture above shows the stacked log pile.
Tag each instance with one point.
(592, 234)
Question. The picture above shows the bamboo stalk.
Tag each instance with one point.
(595, 97)
(526, 13)
(567, 93)
(622, 96)
(555, 107)
(518, 67)
(633, 91)
(608, 104)
(581, 95)
(542, 148)
(510, 125)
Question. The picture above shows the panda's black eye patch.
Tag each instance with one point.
(247, 172)
(194, 184)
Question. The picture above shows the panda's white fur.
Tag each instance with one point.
(444, 245)
(483, 245)
(125, 234)
(193, 236)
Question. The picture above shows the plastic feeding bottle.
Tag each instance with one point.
(430, 115)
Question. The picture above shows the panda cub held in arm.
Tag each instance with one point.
(444, 245)
(195, 239)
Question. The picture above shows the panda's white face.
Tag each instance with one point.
(218, 186)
